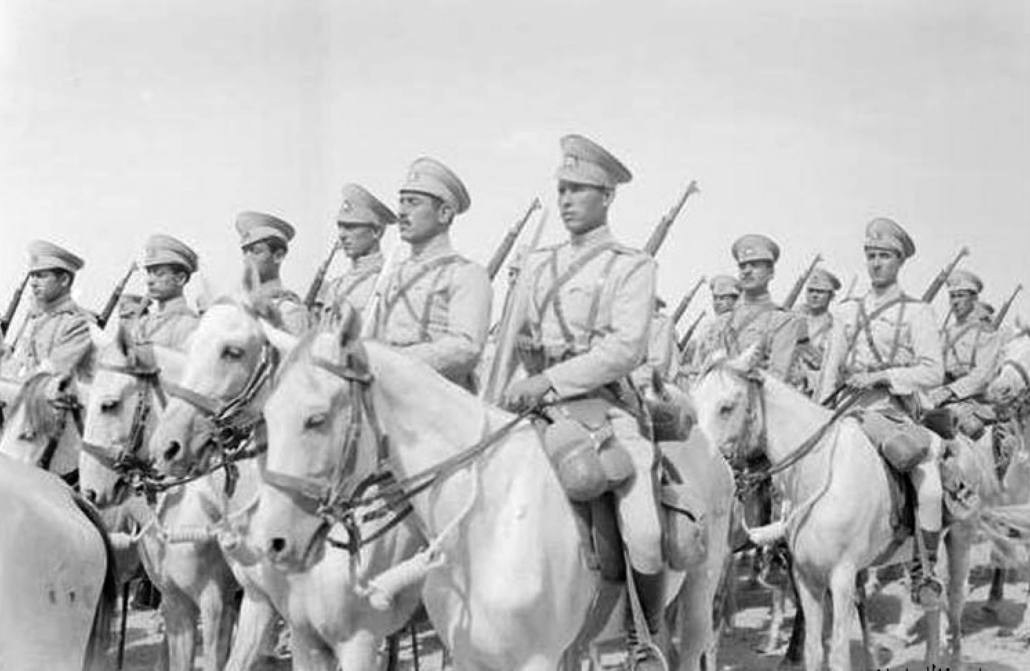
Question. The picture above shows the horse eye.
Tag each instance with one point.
(725, 409)
(316, 420)
(232, 353)
(109, 405)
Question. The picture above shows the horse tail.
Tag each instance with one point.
(95, 658)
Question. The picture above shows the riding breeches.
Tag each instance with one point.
(638, 507)
(926, 478)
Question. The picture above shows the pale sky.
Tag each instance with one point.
(800, 120)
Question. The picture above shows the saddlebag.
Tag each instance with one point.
(582, 448)
(901, 442)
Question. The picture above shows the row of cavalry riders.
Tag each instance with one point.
(342, 478)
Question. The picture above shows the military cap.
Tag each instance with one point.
(362, 208)
(586, 162)
(823, 280)
(45, 255)
(427, 175)
(882, 233)
(161, 249)
(724, 285)
(754, 247)
(963, 280)
(257, 226)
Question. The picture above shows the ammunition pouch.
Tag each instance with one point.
(900, 441)
(587, 458)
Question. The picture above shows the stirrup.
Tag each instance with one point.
(646, 656)
(927, 592)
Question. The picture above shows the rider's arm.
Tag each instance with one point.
(72, 343)
(975, 382)
(783, 344)
(926, 369)
(621, 343)
(836, 351)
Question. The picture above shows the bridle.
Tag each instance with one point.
(334, 502)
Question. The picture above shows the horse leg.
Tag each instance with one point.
(842, 588)
(811, 593)
(694, 606)
(1022, 631)
(957, 542)
(861, 605)
(310, 653)
(180, 617)
(997, 592)
(796, 645)
(211, 603)
(252, 632)
(777, 605)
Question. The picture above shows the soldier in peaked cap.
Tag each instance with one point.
(971, 352)
(756, 319)
(168, 321)
(265, 241)
(436, 303)
(584, 332)
(725, 291)
(887, 347)
(362, 220)
(55, 335)
(819, 293)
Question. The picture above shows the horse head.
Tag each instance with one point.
(217, 403)
(1012, 379)
(44, 420)
(125, 400)
(318, 442)
(726, 398)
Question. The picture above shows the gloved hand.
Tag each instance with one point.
(526, 394)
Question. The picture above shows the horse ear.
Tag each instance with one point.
(122, 338)
(747, 361)
(281, 340)
(101, 338)
(251, 280)
(350, 326)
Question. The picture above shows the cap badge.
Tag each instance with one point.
(346, 207)
(571, 161)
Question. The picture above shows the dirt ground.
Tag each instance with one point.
(988, 643)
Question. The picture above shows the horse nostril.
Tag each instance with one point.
(90, 495)
(173, 450)
(277, 546)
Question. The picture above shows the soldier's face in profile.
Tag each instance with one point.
(49, 285)
(358, 240)
(962, 303)
(583, 207)
(883, 266)
(723, 303)
(165, 282)
(421, 217)
(755, 275)
(818, 300)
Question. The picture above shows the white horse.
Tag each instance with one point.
(228, 366)
(57, 575)
(838, 501)
(196, 585)
(506, 581)
(43, 425)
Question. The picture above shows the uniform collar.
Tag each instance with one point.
(873, 301)
(438, 246)
(763, 300)
(65, 304)
(177, 304)
(598, 236)
(375, 259)
(272, 285)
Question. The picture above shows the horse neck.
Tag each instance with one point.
(29, 451)
(790, 419)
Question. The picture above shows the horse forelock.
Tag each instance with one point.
(41, 417)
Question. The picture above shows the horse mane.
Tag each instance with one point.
(41, 418)
(302, 352)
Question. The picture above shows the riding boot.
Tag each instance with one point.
(926, 589)
(650, 592)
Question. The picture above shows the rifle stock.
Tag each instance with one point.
(315, 288)
(685, 302)
(12, 307)
(658, 235)
(112, 300)
(999, 318)
(504, 249)
(795, 291)
(938, 282)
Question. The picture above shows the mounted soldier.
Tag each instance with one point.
(887, 347)
(361, 222)
(662, 354)
(590, 306)
(972, 347)
(436, 303)
(265, 242)
(820, 291)
(725, 290)
(168, 321)
(55, 336)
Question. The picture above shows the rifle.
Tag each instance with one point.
(316, 284)
(654, 243)
(685, 340)
(942, 277)
(999, 318)
(514, 306)
(497, 260)
(678, 313)
(851, 289)
(795, 291)
(112, 301)
(371, 313)
(12, 307)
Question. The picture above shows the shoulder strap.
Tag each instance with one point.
(358, 281)
(574, 269)
(402, 291)
(863, 321)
